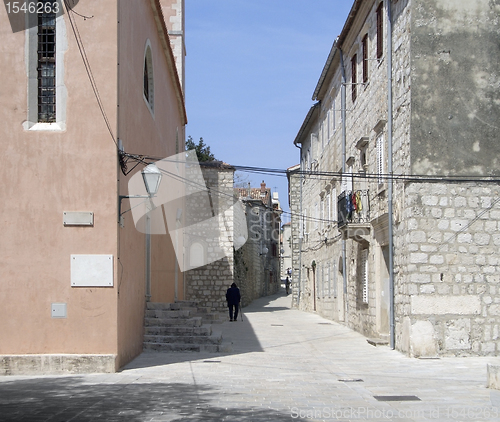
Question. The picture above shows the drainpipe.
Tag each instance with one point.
(390, 171)
(148, 254)
(301, 234)
(344, 136)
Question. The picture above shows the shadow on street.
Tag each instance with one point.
(69, 398)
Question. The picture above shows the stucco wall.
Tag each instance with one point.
(455, 87)
(156, 134)
(46, 173)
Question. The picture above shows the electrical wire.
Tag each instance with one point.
(88, 68)
(416, 178)
(146, 160)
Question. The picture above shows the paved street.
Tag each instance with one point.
(285, 365)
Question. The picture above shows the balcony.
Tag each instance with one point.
(353, 214)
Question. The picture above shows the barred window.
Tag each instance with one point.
(148, 78)
(46, 67)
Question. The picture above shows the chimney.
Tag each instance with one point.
(262, 187)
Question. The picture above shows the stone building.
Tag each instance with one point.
(286, 249)
(258, 261)
(81, 89)
(397, 189)
(209, 238)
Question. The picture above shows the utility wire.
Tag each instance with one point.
(88, 68)
(203, 187)
(417, 178)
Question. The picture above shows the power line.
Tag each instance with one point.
(416, 178)
(88, 69)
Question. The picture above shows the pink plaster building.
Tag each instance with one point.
(77, 87)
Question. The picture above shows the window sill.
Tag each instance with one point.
(45, 127)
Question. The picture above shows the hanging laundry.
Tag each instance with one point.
(349, 207)
(359, 205)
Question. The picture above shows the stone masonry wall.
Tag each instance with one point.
(208, 284)
(447, 285)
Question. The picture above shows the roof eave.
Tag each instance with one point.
(306, 124)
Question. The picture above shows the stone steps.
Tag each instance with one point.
(180, 327)
(214, 338)
(178, 330)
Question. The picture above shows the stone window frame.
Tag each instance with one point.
(32, 122)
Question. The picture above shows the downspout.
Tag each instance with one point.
(301, 233)
(390, 171)
(344, 136)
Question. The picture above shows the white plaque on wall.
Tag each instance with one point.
(92, 270)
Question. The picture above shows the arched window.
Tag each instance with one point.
(196, 255)
(148, 78)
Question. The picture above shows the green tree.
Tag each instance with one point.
(202, 150)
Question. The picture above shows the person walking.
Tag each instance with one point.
(287, 286)
(233, 298)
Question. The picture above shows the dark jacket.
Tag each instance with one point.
(233, 295)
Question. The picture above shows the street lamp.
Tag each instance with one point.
(151, 176)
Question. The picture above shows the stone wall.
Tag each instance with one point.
(446, 269)
(448, 280)
(252, 266)
(207, 284)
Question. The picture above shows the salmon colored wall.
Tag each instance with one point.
(44, 174)
(142, 133)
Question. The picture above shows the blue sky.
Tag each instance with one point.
(251, 69)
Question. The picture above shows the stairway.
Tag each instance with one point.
(181, 327)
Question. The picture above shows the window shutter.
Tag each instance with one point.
(380, 159)
(304, 223)
(327, 280)
(333, 116)
(316, 215)
(364, 274)
(334, 273)
(328, 215)
(365, 58)
(380, 30)
(354, 71)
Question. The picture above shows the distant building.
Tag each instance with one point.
(286, 249)
(395, 216)
(77, 94)
(210, 249)
(257, 263)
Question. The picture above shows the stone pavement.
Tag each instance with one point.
(285, 365)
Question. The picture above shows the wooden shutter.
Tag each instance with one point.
(380, 30)
(380, 159)
(364, 274)
(354, 70)
(365, 58)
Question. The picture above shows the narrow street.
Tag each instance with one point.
(284, 365)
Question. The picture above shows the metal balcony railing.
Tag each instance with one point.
(353, 207)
